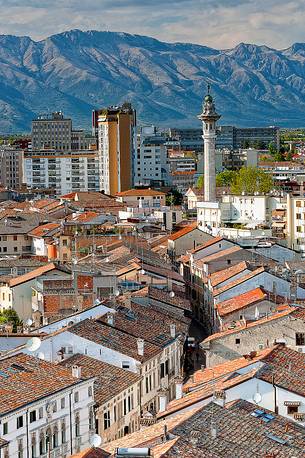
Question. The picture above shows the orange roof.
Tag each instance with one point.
(182, 232)
(238, 281)
(206, 244)
(42, 230)
(241, 301)
(210, 373)
(222, 275)
(91, 453)
(83, 217)
(140, 192)
(31, 275)
(243, 327)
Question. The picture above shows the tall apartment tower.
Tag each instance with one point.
(209, 117)
(11, 167)
(116, 148)
(52, 131)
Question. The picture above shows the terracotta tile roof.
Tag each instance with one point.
(148, 434)
(179, 300)
(220, 254)
(242, 327)
(110, 380)
(206, 244)
(44, 229)
(182, 232)
(207, 391)
(83, 217)
(239, 434)
(113, 338)
(285, 368)
(238, 281)
(147, 323)
(241, 301)
(222, 275)
(140, 192)
(25, 379)
(92, 453)
(163, 272)
(197, 191)
(31, 275)
(204, 375)
(42, 203)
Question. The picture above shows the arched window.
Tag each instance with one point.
(55, 437)
(33, 446)
(49, 439)
(42, 444)
(20, 448)
(63, 433)
(77, 426)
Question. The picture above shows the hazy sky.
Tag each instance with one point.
(216, 23)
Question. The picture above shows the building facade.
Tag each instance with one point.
(52, 131)
(116, 148)
(11, 167)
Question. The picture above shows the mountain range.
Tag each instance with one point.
(78, 71)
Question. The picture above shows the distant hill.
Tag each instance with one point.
(77, 71)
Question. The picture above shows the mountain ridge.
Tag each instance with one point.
(76, 71)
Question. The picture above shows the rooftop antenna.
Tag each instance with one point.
(209, 88)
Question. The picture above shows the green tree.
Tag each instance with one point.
(10, 316)
(250, 180)
(174, 197)
(200, 182)
(272, 148)
(225, 178)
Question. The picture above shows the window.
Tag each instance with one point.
(162, 375)
(125, 406)
(33, 416)
(125, 365)
(65, 242)
(55, 438)
(15, 237)
(237, 341)
(20, 449)
(62, 403)
(106, 419)
(91, 420)
(20, 422)
(298, 215)
(40, 413)
(4, 238)
(77, 426)
(55, 407)
(4, 249)
(291, 410)
(33, 446)
(90, 391)
(15, 249)
(63, 433)
(5, 428)
(146, 384)
(300, 338)
(76, 396)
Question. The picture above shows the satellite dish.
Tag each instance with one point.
(97, 302)
(29, 322)
(33, 344)
(95, 440)
(41, 355)
(117, 293)
(172, 294)
(142, 272)
(257, 398)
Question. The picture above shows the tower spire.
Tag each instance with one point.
(209, 117)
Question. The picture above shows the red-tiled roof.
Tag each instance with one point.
(83, 217)
(182, 232)
(242, 327)
(222, 275)
(42, 230)
(238, 281)
(31, 275)
(218, 255)
(240, 302)
(140, 192)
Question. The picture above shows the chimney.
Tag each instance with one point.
(76, 371)
(213, 430)
(110, 318)
(140, 343)
(219, 397)
(172, 330)
(162, 399)
(178, 386)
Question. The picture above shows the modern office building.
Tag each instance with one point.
(11, 167)
(116, 148)
(64, 173)
(52, 131)
(152, 163)
(186, 139)
(244, 137)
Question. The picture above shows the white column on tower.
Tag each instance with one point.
(209, 117)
